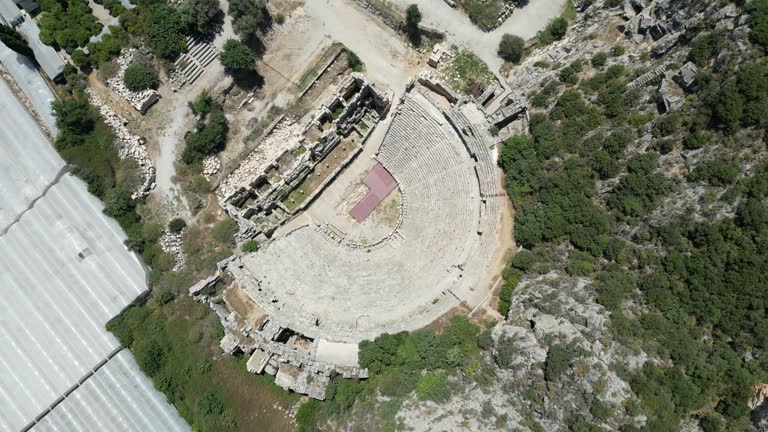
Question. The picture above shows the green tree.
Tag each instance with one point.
(138, 77)
(250, 17)
(164, 29)
(209, 138)
(412, 20)
(15, 41)
(236, 56)
(511, 48)
(199, 15)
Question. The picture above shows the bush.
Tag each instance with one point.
(618, 50)
(80, 58)
(511, 48)
(433, 386)
(280, 19)
(554, 31)
(599, 60)
(210, 403)
(150, 357)
(505, 352)
(237, 57)
(209, 138)
(354, 62)
(523, 260)
(176, 225)
(138, 77)
(250, 246)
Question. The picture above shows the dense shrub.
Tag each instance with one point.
(554, 31)
(139, 76)
(164, 29)
(176, 225)
(209, 138)
(599, 60)
(199, 15)
(559, 358)
(758, 9)
(210, 403)
(433, 386)
(67, 23)
(13, 40)
(715, 173)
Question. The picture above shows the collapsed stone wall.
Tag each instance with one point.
(128, 145)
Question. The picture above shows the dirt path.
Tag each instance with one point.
(524, 22)
(381, 49)
(176, 119)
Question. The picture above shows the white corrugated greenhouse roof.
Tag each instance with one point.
(64, 273)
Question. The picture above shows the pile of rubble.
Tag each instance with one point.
(128, 145)
(299, 364)
(141, 100)
(211, 165)
(171, 243)
(284, 137)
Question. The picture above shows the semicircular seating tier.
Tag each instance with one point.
(437, 258)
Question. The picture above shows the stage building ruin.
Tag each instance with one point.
(294, 163)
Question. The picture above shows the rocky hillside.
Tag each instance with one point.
(638, 297)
